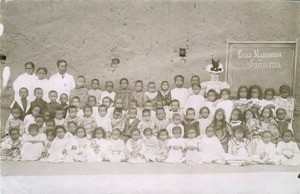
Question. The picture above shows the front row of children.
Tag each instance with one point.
(61, 146)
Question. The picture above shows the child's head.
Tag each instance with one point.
(190, 114)
(139, 85)
(59, 113)
(242, 92)
(219, 115)
(75, 101)
(176, 119)
(209, 131)
(95, 84)
(255, 92)
(36, 110)
(266, 136)
(47, 115)
(87, 110)
(39, 120)
(151, 87)
(132, 112)
(50, 124)
(80, 81)
(212, 95)
(148, 133)
(119, 103)
(236, 114)
(266, 113)
(149, 105)
(33, 129)
(102, 110)
(107, 101)
(280, 113)
(191, 133)
(287, 135)
(38, 93)
(99, 133)
(124, 83)
(117, 113)
(115, 134)
(225, 93)
(204, 112)
(60, 131)
(109, 86)
(50, 134)
(269, 93)
(239, 132)
(146, 115)
(133, 103)
(72, 127)
(195, 79)
(176, 132)
(159, 104)
(248, 114)
(41, 72)
(179, 80)
(80, 132)
(16, 113)
(163, 134)
(285, 91)
(160, 113)
(135, 134)
(53, 95)
(164, 86)
(14, 133)
(72, 111)
(23, 92)
(63, 98)
(175, 105)
(92, 101)
(196, 88)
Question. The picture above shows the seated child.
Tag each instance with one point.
(163, 139)
(225, 103)
(151, 144)
(288, 150)
(134, 103)
(255, 94)
(211, 102)
(23, 104)
(46, 114)
(150, 106)
(11, 146)
(79, 154)
(32, 143)
(72, 116)
(161, 121)
(63, 99)
(118, 103)
(138, 94)
(176, 121)
(71, 130)
(108, 92)
(88, 122)
(93, 103)
(38, 93)
(175, 108)
(269, 101)
(116, 147)
(76, 102)
(192, 148)
(103, 120)
(118, 120)
(39, 120)
(204, 120)
(98, 146)
(131, 123)
(190, 122)
(50, 135)
(282, 121)
(146, 122)
(59, 116)
(135, 148)
(235, 118)
(164, 94)
(268, 123)
(80, 90)
(195, 100)
(151, 94)
(53, 104)
(50, 125)
(195, 79)
(29, 119)
(95, 91)
(175, 146)
(15, 122)
(242, 102)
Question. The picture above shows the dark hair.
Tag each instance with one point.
(36, 106)
(102, 106)
(270, 110)
(59, 109)
(287, 131)
(92, 97)
(50, 131)
(259, 91)
(162, 131)
(52, 91)
(81, 76)
(23, 88)
(239, 111)
(139, 82)
(146, 111)
(36, 89)
(106, 97)
(269, 90)
(64, 94)
(176, 114)
(160, 109)
(118, 110)
(248, 110)
(148, 129)
(197, 76)
(86, 107)
(72, 107)
(177, 76)
(33, 126)
(72, 122)
(122, 79)
(95, 80)
(164, 82)
(132, 108)
(190, 109)
(239, 90)
(40, 116)
(110, 83)
(61, 61)
(29, 63)
(214, 92)
(134, 101)
(176, 128)
(134, 130)
(42, 68)
(76, 97)
(239, 128)
(204, 107)
(60, 127)
(116, 129)
(284, 87)
(50, 121)
(279, 109)
(13, 129)
(99, 129)
(215, 122)
(81, 127)
(151, 83)
(197, 84)
(225, 90)
(15, 108)
(175, 100)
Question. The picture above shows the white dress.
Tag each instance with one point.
(180, 94)
(152, 148)
(265, 153)
(104, 122)
(288, 149)
(212, 150)
(193, 156)
(32, 151)
(227, 106)
(79, 155)
(237, 152)
(196, 102)
(116, 150)
(137, 147)
(94, 145)
(175, 155)
(203, 124)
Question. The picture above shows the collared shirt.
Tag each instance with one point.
(62, 83)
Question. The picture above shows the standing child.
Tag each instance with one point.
(63, 99)
(190, 122)
(50, 135)
(286, 102)
(11, 146)
(138, 93)
(71, 132)
(80, 90)
(32, 144)
(95, 91)
(135, 148)
(53, 105)
(242, 101)
(176, 146)
(211, 102)
(131, 123)
(192, 148)
(179, 93)
(118, 120)
(97, 148)
(93, 103)
(195, 100)
(151, 144)
(176, 122)
(38, 93)
(236, 117)
(164, 94)
(108, 92)
(204, 120)
(269, 101)
(151, 94)
(15, 122)
(103, 120)
(255, 93)
(163, 139)
(268, 123)
(124, 93)
(281, 120)
(59, 116)
(225, 103)
(30, 119)
(146, 122)
(88, 122)
(161, 121)
(116, 147)
(22, 103)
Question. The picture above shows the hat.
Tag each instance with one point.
(215, 67)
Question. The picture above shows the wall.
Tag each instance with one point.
(144, 35)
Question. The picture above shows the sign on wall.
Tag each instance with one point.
(264, 63)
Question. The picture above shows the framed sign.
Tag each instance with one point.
(268, 64)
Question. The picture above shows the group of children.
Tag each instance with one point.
(181, 125)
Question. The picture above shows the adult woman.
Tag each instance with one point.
(43, 82)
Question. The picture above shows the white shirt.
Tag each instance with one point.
(180, 94)
(62, 83)
(27, 81)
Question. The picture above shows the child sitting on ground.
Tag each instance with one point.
(163, 139)
(11, 146)
(88, 122)
(192, 148)
(14, 123)
(176, 146)
(97, 148)
(135, 148)
(176, 121)
(151, 144)
(204, 120)
(116, 147)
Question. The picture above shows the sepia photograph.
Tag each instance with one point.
(150, 96)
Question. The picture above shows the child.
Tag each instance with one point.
(76, 102)
(161, 121)
(71, 132)
(265, 150)
(286, 102)
(39, 120)
(151, 144)
(281, 120)
(195, 79)
(108, 92)
(93, 103)
(53, 105)
(179, 93)
(63, 99)
(72, 116)
(11, 146)
(151, 94)
(146, 122)
(269, 101)
(212, 149)
(225, 103)
(30, 119)
(15, 122)
(164, 94)
(103, 120)
(60, 149)
(138, 93)
(46, 114)
(32, 144)
(116, 147)
(50, 135)
(211, 102)
(242, 102)
(163, 139)
(176, 121)
(88, 122)
(175, 146)
(192, 148)
(288, 150)
(204, 120)
(235, 118)
(195, 100)
(134, 103)
(79, 155)
(81, 91)
(50, 125)
(95, 91)
(131, 123)
(38, 93)
(23, 104)
(117, 120)
(190, 122)
(135, 148)
(59, 116)
(124, 93)
(255, 93)
(150, 106)
(222, 129)
(175, 108)
(268, 123)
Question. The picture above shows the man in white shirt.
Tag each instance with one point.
(179, 93)
(62, 82)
